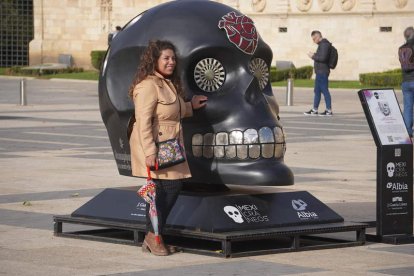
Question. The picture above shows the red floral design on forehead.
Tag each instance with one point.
(240, 31)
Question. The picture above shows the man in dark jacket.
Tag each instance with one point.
(112, 35)
(406, 55)
(322, 70)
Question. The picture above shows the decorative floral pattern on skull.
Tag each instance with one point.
(240, 31)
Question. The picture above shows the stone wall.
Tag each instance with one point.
(78, 26)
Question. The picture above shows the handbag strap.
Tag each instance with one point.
(179, 127)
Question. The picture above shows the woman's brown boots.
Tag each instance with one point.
(152, 245)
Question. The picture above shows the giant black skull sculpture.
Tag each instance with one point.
(237, 137)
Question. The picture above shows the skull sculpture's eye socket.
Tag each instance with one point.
(209, 74)
(260, 71)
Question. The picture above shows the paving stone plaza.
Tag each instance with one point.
(55, 156)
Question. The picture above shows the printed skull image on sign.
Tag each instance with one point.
(390, 169)
(237, 138)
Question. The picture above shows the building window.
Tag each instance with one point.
(106, 15)
(16, 31)
(282, 29)
(386, 29)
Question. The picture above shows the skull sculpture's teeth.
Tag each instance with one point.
(266, 143)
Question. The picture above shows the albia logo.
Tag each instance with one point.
(233, 213)
(299, 205)
(397, 187)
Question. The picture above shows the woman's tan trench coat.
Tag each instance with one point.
(157, 119)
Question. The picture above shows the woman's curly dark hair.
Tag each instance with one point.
(148, 63)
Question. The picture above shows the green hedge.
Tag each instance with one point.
(278, 75)
(389, 78)
(97, 58)
(304, 72)
(17, 70)
(393, 71)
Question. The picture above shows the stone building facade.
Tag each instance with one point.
(366, 33)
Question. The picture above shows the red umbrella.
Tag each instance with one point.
(147, 192)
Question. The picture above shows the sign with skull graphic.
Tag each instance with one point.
(237, 138)
(394, 163)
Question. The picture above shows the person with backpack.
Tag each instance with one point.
(325, 59)
(406, 56)
(112, 35)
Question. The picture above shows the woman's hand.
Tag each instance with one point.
(150, 160)
(198, 101)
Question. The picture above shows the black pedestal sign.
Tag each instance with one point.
(394, 166)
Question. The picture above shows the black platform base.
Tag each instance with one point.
(229, 223)
(224, 244)
(226, 211)
(391, 239)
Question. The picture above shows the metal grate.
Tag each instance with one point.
(16, 31)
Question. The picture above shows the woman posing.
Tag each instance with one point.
(159, 106)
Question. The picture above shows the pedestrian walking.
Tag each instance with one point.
(322, 71)
(112, 35)
(406, 56)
